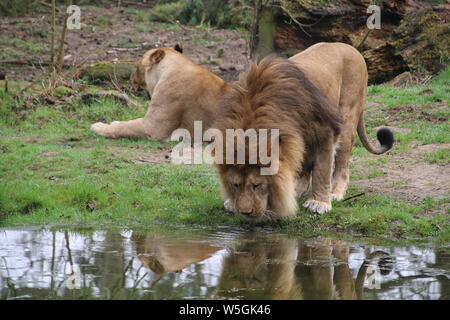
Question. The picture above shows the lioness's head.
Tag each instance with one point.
(147, 63)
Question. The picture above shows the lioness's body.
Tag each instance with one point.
(181, 91)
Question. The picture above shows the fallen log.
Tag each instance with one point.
(107, 71)
(25, 62)
(119, 96)
(413, 34)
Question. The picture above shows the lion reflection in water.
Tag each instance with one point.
(285, 269)
(263, 266)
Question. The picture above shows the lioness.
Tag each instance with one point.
(316, 100)
(181, 92)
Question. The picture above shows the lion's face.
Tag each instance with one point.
(138, 76)
(145, 66)
(248, 191)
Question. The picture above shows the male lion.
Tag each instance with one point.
(182, 92)
(316, 100)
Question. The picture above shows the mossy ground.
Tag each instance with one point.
(54, 170)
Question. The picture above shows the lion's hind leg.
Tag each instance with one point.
(341, 175)
(303, 184)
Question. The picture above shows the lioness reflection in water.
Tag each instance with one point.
(262, 266)
(163, 254)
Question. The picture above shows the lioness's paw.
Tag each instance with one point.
(101, 129)
(229, 206)
(317, 206)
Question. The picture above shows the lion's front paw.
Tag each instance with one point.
(229, 206)
(317, 206)
(102, 129)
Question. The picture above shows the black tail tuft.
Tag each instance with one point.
(386, 138)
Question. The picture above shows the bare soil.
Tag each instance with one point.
(113, 34)
(408, 176)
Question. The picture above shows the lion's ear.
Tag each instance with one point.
(157, 56)
(179, 47)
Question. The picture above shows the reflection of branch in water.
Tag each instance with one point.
(9, 283)
(128, 266)
(52, 271)
(419, 292)
(155, 282)
(11, 287)
(401, 279)
(398, 284)
(139, 280)
(69, 252)
(120, 283)
(6, 266)
(138, 270)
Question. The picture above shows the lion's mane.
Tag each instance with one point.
(276, 94)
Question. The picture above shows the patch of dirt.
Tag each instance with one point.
(371, 104)
(395, 129)
(152, 159)
(408, 176)
(33, 139)
(412, 112)
(49, 154)
(115, 35)
(139, 155)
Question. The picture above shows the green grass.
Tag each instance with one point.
(422, 110)
(53, 169)
(103, 21)
(14, 48)
(376, 215)
(143, 28)
(441, 157)
(57, 170)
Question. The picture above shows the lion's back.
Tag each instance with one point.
(332, 67)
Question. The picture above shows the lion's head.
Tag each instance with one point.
(248, 189)
(274, 94)
(249, 270)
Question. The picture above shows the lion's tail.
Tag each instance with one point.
(384, 136)
(362, 272)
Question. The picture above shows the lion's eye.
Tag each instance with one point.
(256, 186)
(236, 185)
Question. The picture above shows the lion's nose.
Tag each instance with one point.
(135, 86)
(246, 211)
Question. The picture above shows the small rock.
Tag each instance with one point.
(62, 91)
(22, 114)
(227, 67)
(91, 206)
(426, 92)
